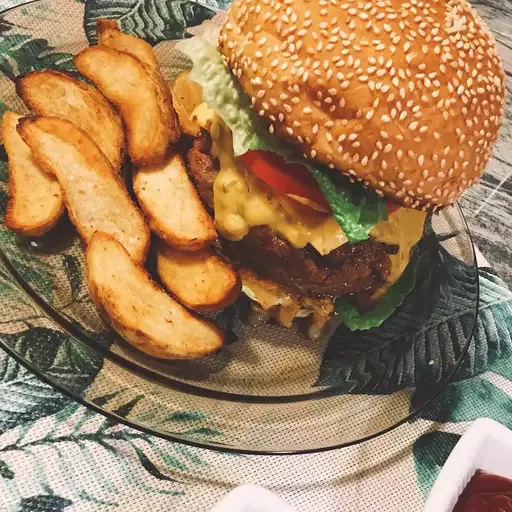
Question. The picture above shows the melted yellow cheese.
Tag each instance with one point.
(242, 200)
(272, 300)
(405, 229)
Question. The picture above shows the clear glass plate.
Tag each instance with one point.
(271, 391)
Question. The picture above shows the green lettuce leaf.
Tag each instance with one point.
(355, 208)
(393, 298)
(220, 91)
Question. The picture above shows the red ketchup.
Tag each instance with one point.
(486, 493)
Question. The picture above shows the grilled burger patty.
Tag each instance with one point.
(349, 269)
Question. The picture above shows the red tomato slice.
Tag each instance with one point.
(285, 178)
(291, 179)
(392, 206)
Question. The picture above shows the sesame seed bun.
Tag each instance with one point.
(406, 96)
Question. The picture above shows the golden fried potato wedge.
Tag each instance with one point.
(200, 280)
(94, 194)
(140, 311)
(172, 206)
(187, 125)
(52, 93)
(187, 95)
(35, 198)
(188, 92)
(110, 35)
(128, 84)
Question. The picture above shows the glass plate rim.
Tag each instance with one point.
(229, 397)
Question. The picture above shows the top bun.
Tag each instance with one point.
(406, 96)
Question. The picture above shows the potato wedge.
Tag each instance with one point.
(140, 311)
(52, 93)
(110, 35)
(129, 85)
(94, 194)
(187, 95)
(200, 280)
(172, 206)
(35, 198)
(188, 92)
(187, 125)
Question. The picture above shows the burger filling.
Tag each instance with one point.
(307, 239)
(287, 243)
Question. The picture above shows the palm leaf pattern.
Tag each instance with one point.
(467, 400)
(106, 457)
(21, 54)
(153, 20)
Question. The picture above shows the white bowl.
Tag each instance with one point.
(486, 445)
(251, 498)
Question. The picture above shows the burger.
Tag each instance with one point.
(329, 131)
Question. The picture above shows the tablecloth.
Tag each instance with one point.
(73, 459)
(56, 455)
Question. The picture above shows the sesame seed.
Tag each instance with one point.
(421, 159)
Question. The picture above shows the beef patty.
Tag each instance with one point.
(349, 269)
